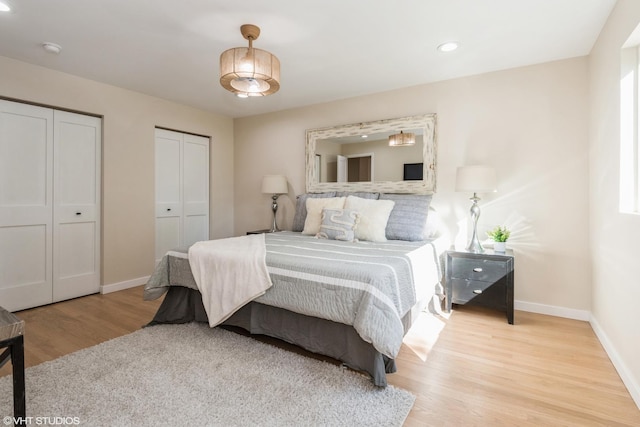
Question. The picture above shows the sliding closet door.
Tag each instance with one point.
(196, 189)
(168, 191)
(26, 205)
(49, 205)
(76, 215)
(182, 190)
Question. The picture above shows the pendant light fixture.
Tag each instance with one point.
(249, 71)
(402, 139)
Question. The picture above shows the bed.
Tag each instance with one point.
(350, 300)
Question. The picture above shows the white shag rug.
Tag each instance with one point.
(194, 375)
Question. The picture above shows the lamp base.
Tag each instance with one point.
(274, 208)
(474, 244)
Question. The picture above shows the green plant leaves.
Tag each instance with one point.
(499, 234)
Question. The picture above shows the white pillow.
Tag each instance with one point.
(314, 212)
(434, 226)
(374, 215)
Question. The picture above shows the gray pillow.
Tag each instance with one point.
(361, 194)
(301, 208)
(408, 217)
(338, 224)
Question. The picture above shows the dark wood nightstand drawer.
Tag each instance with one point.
(474, 291)
(486, 270)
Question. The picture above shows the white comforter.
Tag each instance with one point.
(229, 273)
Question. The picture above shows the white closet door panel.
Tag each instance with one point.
(26, 171)
(168, 178)
(25, 155)
(25, 269)
(26, 163)
(76, 259)
(76, 152)
(167, 235)
(196, 189)
(196, 229)
(196, 171)
(77, 249)
(168, 167)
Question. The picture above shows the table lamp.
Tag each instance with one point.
(475, 179)
(274, 185)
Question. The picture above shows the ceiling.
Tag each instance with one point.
(329, 49)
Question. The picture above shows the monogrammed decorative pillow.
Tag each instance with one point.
(338, 224)
(314, 212)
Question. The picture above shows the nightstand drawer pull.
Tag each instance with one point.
(477, 291)
(478, 269)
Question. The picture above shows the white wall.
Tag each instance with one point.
(615, 237)
(128, 158)
(529, 123)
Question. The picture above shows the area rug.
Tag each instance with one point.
(195, 375)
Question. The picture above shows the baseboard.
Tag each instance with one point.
(552, 310)
(114, 287)
(627, 378)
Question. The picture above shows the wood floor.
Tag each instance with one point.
(472, 369)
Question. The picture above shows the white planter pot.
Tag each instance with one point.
(499, 246)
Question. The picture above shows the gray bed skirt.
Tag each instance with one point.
(336, 340)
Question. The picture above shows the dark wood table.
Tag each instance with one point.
(12, 341)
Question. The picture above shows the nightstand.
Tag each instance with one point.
(480, 279)
(259, 231)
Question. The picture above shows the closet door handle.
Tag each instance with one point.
(78, 213)
(168, 209)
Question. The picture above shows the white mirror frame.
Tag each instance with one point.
(426, 122)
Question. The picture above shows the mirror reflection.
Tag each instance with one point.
(364, 158)
(391, 155)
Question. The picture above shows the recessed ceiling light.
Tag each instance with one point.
(5, 6)
(448, 47)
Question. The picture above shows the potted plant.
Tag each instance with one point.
(499, 235)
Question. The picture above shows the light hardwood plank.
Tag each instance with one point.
(481, 371)
(471, 369)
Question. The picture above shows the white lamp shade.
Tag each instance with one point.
(476, 179)
(274, 184)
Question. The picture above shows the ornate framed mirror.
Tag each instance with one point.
(363, 157)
